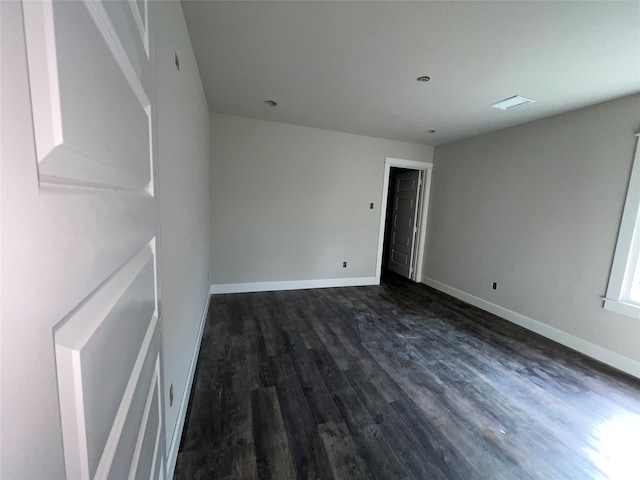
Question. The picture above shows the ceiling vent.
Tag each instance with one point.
(512, 102)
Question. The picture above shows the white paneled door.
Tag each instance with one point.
(79, 245)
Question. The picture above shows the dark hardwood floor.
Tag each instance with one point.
(398, 381)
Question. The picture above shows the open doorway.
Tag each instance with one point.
(403, 217)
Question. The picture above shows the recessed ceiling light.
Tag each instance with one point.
(423, 79)
(431, 131)
(271, 103)
(511, 102)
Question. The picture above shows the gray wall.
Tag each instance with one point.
(292, 203)
(537, 208)
(183, 156)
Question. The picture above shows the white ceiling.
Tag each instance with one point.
(352, 66)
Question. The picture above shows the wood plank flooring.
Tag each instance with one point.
(398, 381)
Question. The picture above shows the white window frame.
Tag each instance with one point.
(625, 260)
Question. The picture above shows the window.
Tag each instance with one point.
(623, 292)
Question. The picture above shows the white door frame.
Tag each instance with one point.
(422, 231)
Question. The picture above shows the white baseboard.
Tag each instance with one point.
(613, 359)
(172, 454)
(292, 285)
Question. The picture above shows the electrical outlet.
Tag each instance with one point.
(344, 264)
(371, 206)
(171, 395)
(494, 286)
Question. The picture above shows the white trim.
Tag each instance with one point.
(620, 362)
(70, 338)
(109, 452)
(426, 167)
(159, 434)
(622, 307)
(172, 455)
(417, 216)
(103, 22)
(422, 239)
(411, 164)
(60, 159)
(40, 36)
(154, 387)
(292, 285)
(627, 247)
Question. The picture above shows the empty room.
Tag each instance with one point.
(320, 240)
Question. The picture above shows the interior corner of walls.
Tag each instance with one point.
(597, 352)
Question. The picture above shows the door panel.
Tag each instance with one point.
(130, 26)
(401, 239)
(84, 237)
(91, 110)
(147, 444)
(399, 257)
(405, 204)
(135, 454)
(404, 216)
(107, 337)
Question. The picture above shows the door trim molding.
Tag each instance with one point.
(426, 167)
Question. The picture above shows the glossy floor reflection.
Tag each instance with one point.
(398, 381)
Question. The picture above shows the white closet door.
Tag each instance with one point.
(79, 241)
